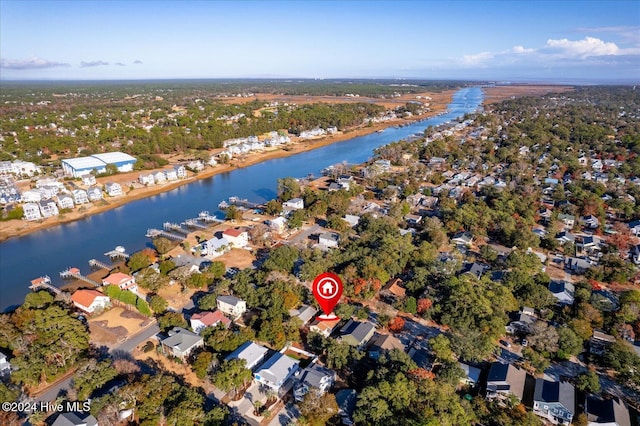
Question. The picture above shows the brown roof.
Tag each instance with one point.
(394, 288)
(85, 297)
(233, 232)
(209, 318)
(325, 324)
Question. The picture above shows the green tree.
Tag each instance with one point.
(158, 304)
(168, 320)
(202, 364)
(92, 377)
(281, 259)
(588, 382)
(217, 269)
(162, 245)
(288, 188)
(138, 261)
(37, 300)
(232, 375)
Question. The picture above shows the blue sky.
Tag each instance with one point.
(500, 40)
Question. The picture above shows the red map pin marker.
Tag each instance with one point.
(327, 289)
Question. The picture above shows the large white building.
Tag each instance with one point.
(78, 167)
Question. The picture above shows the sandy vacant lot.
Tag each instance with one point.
(114, 325)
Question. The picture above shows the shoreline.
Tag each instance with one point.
(20, 228)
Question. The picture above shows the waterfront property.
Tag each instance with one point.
(123, 281)
(90, 301)
(78, 167)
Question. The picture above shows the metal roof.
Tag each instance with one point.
(83, 163)
(114, 157)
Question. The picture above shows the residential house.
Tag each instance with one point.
(329, 239)
(181, 342)
(113, 189)
(31, 196)
(599, 342)
(393, 289)
(462, 238)
(195, 165)
(215, 247)
(146, 179)
(475, 269)
(554, 401)
(413, 219)
(524, 323)
(181, 171)
(31, 211)
(90, 301)
(383, 343)
(606, 412)
(65, 201)
(48, 208)
(568, 220)
(314, 377)
(471, 374)
(251, 352)
(577, 265)
(236, 237)
(123, 281)
(199, 321)
(294, 204)
(323, 326)
(5, 366)
(505, 380)
(159, 177)
(171, 175)
(80, 196)
(565, 237)
(304, 313)
(75, 419)
(94, 193)
(231, 305)
(356, 333)
(88, 180)
(279, 224)
(590, 221)
(353, 220)
(276, 371)
(563, 291)
(588, 244)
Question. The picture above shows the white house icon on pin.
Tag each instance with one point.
(327, 288)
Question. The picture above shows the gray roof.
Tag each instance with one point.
(473, 373)
(251, 352)
(75, 419)
(181, 339)
(305, 313)
(359, 331)
(551, 392)
(313, 375)
(277, 368)
(386, 342)
(510, 374)
(607, 411)
(229, 300)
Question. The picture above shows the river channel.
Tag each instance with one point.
(52, 250)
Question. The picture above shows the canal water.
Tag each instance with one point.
(50, 251)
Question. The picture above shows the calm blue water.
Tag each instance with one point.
(52, 250)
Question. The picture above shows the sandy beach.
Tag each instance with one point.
(439, 102)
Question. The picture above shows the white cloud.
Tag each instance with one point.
(84, 64)
(33, 62)
(590, 46)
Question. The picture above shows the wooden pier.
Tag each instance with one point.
(154, 233)
(74, 273)
(193, 223)
(96, 264)
(238, 202)
(204, 216)
(44, 283)
(117, 253)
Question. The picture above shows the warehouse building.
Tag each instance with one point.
(82, 166)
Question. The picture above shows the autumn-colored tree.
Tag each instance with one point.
(396, 325)
(424, 305)
(421, 374)
(621, 238)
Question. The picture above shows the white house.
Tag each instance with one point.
(563, 291)
(276, 371)
(236, 237)
(201, 320)
(251, 352)
(329, 239)
(294, 204)
(31, 211)
(90, 301)
(159, 177)
(88, 180)
(48, 208)
(65, 201)
(554, 401)
(231, 305)
(181, 342)
(215, 247)
(171, 175)
(80, 196)
(94, 193)
(180, 170)
(279, 224)
(314, 377)
(124, 281)
(5, 366)
(113, 189)
(146, 179)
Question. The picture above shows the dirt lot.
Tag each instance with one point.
(114, 325)
(500, 93)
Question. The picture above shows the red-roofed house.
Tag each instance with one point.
(208, 319)
(124, 281)
(90, 301)
(237, 237)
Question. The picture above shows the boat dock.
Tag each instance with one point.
(168, 226)
(96, 264)
(154, 233)
(193, 223)
(117, 253)
(204, 216)
(44, 282)
(74, 273)
(241, 202)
